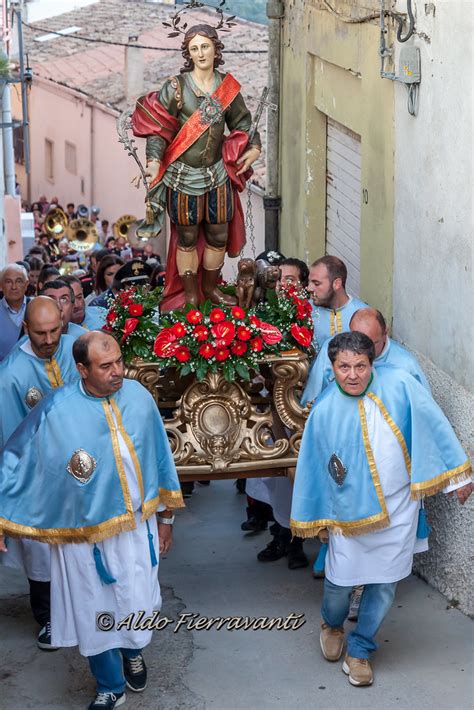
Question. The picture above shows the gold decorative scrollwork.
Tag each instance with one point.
(214, 423)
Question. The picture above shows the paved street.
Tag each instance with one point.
(424, 660)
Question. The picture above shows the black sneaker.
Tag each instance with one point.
(107, 701)
(296, 555)
(273, 551)
(134, 670)
(44, 639)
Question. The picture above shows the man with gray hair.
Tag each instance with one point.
(13, 283)
(387, 352)
(374, 446)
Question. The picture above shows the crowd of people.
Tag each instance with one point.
(78, 510)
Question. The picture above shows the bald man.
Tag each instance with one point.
(13, 284)
(41, 363)
(370, 322)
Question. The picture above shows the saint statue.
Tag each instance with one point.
(195, 170)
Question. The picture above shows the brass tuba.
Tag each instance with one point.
(82, 234)
(55, 223)
(122, 226)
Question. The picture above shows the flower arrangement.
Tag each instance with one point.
(133, 318)
(290, 310)
(209, 338)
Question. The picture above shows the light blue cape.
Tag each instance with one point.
(328, 322)
(21, 372)
(336, 427)
(39, 496)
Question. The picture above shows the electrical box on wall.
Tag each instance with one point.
(409, 65)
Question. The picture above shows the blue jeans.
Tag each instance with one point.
(374, 606)
(107, 669)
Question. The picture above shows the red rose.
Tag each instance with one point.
(179, 330)
(135, 309)
(200, 332)
(256, 344)
(222, 354)
(216, 315)
(255, 321)
(244, 333)
(224, 333)
(301, 334)
(238, 348)
(194, 316)
(129, 327)
(182, 353)
(270, 333)
(165, 343)
(206, 350)
(111, 316)
(107, 328)
(238, 312)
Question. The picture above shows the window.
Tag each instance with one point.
(19, 145)
(49, 159)
(70, 158)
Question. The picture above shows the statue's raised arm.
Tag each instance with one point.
(194, 170)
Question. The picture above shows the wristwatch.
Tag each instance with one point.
(165, 521)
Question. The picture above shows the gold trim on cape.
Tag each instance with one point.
(53, 372)
(356, 527)
(434, 485)
(394, 428)
(118, 457)
(58, 536)
(338, 322)
(130, 447)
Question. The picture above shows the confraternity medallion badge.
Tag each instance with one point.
(33, 396)
(81, 465)
(337, 470)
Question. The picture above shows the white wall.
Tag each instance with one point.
(433, 286)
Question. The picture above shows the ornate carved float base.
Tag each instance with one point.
(226, 430)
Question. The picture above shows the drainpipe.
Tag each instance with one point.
(272, 199)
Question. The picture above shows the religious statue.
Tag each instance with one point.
(195, 170)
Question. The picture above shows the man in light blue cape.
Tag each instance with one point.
(86, 471)
(41, 363)
(374, 445)
(387, 352)
(332, 306)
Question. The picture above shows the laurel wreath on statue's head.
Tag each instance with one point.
(224, 24)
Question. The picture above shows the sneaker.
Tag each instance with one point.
(253, 523)
(107, 701)
(273, 551)
(355, 603)
(331, 640)
(134, 670)
(44, 639)
(358, 670)
(187, 489)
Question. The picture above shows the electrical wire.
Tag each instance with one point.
(127, 44)
(412, 98)
(375, 15)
